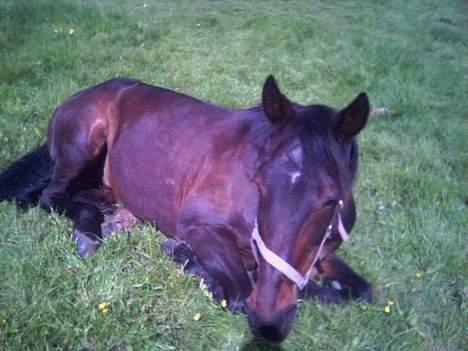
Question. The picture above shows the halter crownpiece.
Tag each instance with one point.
(259, 248)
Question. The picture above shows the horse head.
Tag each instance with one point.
(305, 177)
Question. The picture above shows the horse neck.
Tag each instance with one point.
(255, 138)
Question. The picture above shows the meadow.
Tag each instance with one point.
(409, 241)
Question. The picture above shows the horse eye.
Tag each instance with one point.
(330, 203)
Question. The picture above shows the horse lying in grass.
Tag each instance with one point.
(254, 201)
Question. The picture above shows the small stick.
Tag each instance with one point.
(380, 111)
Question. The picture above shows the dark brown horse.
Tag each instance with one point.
(255, 201)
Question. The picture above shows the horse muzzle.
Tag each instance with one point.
(275, 327)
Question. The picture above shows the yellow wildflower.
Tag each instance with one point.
(390, 302)
(387, 309)
(418, 274)
(3, 321)
(223, 303)
(71, 31)
(197, 316)
(103, 306)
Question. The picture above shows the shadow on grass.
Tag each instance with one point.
(256, 344)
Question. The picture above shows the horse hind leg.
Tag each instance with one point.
(79, 154)
(102, 198)
(87, 228)
(84, 207)
(96, 218)
(77, 146)
(66, 168)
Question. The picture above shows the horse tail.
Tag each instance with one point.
(25, 178)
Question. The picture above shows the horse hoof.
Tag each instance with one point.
(87, 243)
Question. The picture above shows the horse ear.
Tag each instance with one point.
(352, 119)
(277, 107)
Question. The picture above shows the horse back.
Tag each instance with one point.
(173, 151)
(161, 148)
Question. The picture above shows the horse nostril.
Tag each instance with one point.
(274, 328)
(270, 332)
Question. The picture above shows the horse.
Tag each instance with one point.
(255, 201)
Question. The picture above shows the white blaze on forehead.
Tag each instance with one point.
(294, 176)
(295, 156)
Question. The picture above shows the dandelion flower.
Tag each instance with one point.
(197, 316)
(71, 31)
(387, 309)
(418, 274)
(103, 306)
(390, 302)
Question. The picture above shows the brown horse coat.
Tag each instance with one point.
(204, 175)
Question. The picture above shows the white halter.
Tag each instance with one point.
(284, 267)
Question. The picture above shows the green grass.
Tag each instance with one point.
(410, 56)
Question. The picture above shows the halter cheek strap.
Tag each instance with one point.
(259, 248)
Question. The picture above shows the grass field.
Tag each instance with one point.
(410, 236)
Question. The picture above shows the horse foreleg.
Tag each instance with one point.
(348, 282)
(321, 294)
(180, 252)
(217, 252)
(97, 218)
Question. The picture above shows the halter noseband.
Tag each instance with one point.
(284, 267)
